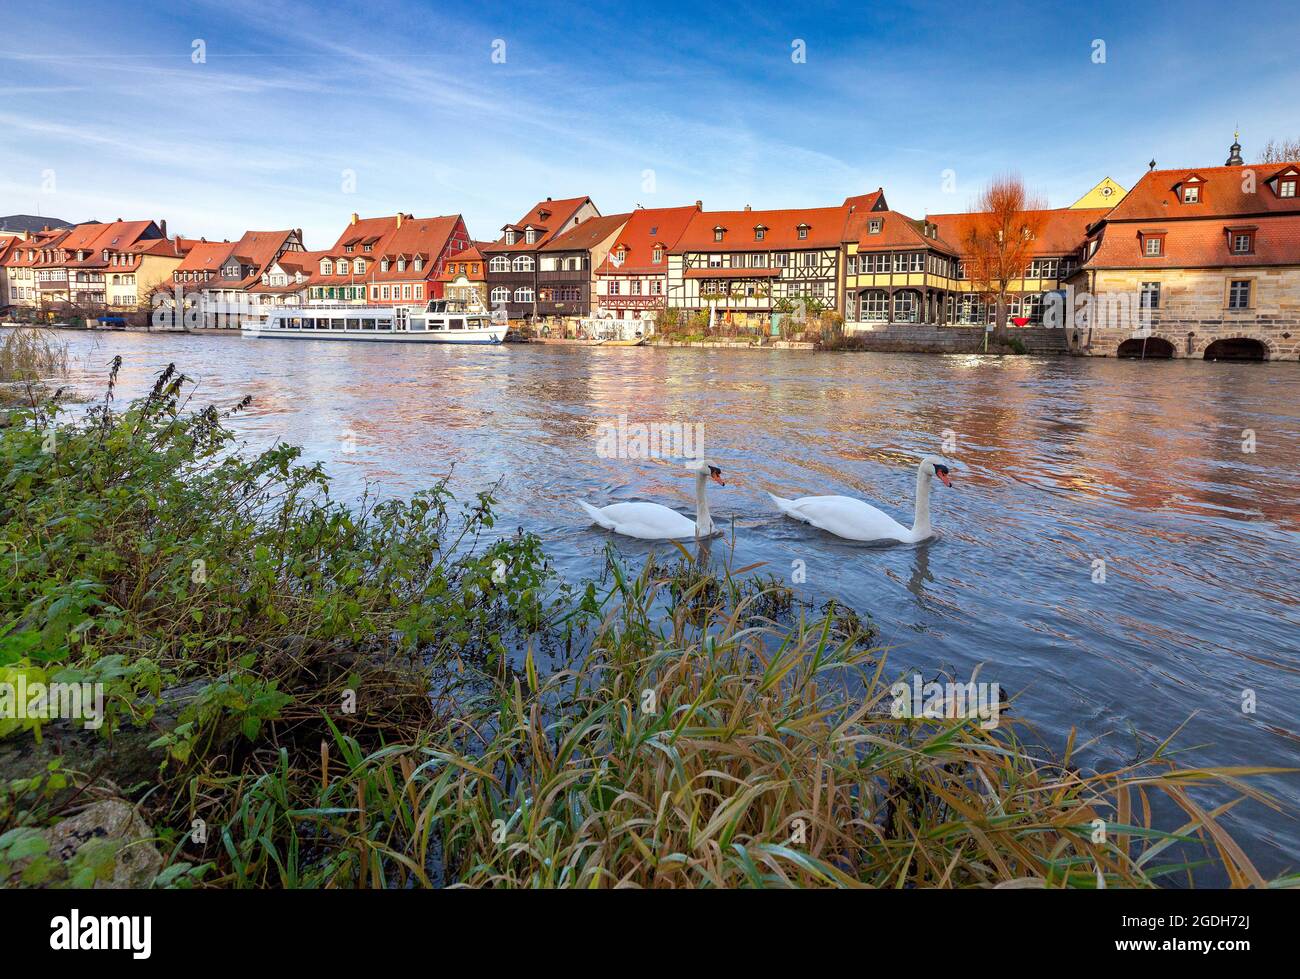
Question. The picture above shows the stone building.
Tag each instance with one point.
(1194, 262)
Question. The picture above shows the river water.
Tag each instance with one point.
(1180, 476)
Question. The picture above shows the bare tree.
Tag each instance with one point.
(1280, 151)
(999, 241)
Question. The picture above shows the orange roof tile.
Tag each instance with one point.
(825, 228)
(546, 216)
(899, 231)
(1203, 243)
(647, 228)
(1064, 229)
(205, 256)
(1225, 191)
(587, 234)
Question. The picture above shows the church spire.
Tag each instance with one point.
(1234, 152)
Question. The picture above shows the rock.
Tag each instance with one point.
(107, 839)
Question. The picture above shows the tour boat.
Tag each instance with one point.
(441, 321)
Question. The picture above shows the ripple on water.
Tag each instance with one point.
(1060, 463)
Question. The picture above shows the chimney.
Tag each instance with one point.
(548, 198)
(699, 205)
(354, 217)
(162, 226)
(749, 207)
(399, 219)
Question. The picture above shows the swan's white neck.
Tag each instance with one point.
(703, 522)
(921, 520)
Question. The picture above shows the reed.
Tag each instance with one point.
(390, 695)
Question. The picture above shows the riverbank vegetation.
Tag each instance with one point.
(304, 694)
(28, 356)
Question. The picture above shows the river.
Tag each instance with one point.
(1180, 476)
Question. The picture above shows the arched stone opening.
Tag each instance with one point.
(1237, 348)
(1146, 348)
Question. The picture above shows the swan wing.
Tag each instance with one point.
(845, 517)
(646, 521)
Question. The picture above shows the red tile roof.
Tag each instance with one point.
(1063, 232)
(547, 216)
(1225, 191)
(425, 238)
(205, 256)
(858, 209)
(1197, 234)
(899, 231)
(647, 228)
(95, 239)
(1200, 244)
(587, 234)
(465, 256)
(825, 230)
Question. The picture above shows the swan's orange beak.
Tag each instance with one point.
(716, 476)
(942, 473)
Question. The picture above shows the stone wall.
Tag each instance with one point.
(929, 338)
(1193, 310)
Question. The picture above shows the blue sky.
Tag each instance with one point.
(105, 114)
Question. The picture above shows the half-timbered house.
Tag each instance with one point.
(512, 258)
(632, 281)
(745, 265)
(565, 267)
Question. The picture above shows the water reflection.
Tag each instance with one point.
(1059, 463)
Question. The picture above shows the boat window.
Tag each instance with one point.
(368, 323)
(417, 324)
(353, 324)
(296, 322)
(456, 325)
(336, 324)
(385, 324)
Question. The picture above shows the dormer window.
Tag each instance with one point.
(401, 265)
(510, 237)
(803, 231)
(1152, 243)
(621, 254)
(1241, 240)
(718, 233)
(343, 266)
(360, 265)
(658, 254)
(383, 265)
(1286, 184)
(873, 226)
(760, 232)
(419, 265)
(1192, 194)
(530, 237)
(348, 248)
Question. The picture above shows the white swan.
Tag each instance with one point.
(651, 521)
(852, 519)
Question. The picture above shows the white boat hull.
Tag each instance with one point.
(377, 324)
(495, 335)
